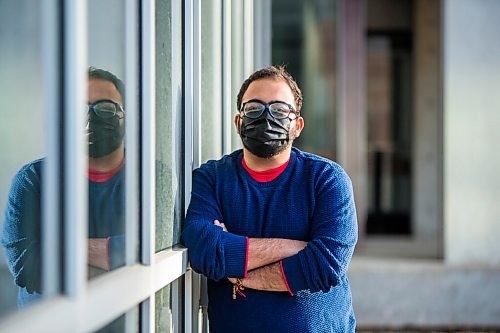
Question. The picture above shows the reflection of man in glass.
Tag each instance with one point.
(106, 175)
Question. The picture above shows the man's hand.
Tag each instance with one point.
(97, 253)
(217, 223)
(267, 278)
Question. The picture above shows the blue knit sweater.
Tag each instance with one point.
(22, 225)
(311, 201)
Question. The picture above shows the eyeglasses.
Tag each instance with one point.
(106, 108)
(255, 108)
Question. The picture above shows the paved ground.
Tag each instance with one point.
(421, 330)
(428, 330)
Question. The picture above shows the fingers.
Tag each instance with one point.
(217, 223)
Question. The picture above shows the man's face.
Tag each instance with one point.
(105, 125)
(268, 90)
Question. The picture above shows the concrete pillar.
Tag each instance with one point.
(351, 118)
(427, 131)
(471, 131)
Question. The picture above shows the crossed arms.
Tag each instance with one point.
(272, 263)
(264, 254)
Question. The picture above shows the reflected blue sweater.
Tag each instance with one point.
(22, 225)
(311, 201)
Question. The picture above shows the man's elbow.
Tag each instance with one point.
(205, 266)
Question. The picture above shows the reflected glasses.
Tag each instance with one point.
(106, 108)
(255, 108)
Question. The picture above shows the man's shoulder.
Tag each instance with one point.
(319, 163)
(28, 178)
(226, 162)
(31, 169)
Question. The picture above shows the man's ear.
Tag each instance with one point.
(237, 123)
(299, 126)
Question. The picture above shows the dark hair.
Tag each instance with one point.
(276, 72)
(101, 74)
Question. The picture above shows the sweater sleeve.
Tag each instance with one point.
(21, 229)
(324, 261)
(116, 251)
(215, 253)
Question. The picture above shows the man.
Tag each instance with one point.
(22, 218)
(273, 228)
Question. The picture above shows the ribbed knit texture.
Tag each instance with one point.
(312, 201)
(22, 224)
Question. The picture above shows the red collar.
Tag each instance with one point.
(266, 175)
(103, 176)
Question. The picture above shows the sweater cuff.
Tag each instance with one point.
(108, 261)
(284, 278)
(235, 249)
(246, 258)
(292, 272)
(116, 251)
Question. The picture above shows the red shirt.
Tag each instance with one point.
(103, 176)
(266, 175)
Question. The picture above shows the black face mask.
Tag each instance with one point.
(104, 135)
(265, 136)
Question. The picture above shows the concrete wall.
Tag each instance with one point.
(472, 131)
(428, 126)
(392, 293)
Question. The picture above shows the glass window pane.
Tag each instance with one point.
(169, 303)
(211, 79)
(127, 322)
(107, 114)
(22, 153)
(169, 143)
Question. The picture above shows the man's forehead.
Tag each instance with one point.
(269, 89)
(99, 89)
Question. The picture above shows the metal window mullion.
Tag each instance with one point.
(131, 132)
(196, 83)
(148, 130)
(189, 134)
(192, 136)
(226, 76)
(74, 151)
(51, 194)
(248, 38)
(176, 106)
(175, 306)
(148, 150)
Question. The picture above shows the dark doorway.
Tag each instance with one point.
(389, 40)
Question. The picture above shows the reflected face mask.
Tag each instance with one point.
(105, 135)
